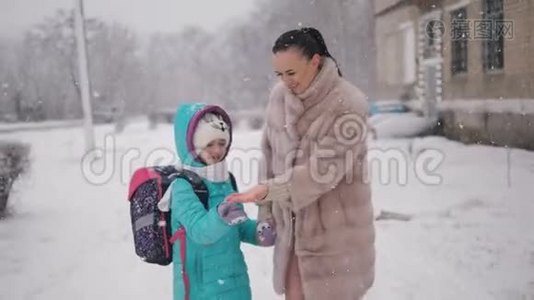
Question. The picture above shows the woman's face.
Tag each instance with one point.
(295, 70)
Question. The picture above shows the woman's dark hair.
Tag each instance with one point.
(308, 39)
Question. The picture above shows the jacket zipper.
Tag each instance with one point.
(198, 267)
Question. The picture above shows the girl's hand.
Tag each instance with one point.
(266, 233)
(255, 194)
(231, 213)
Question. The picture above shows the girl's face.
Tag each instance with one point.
(295, 70)
(214, 152)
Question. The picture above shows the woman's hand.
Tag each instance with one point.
(255, 194)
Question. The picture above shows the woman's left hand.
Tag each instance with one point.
(255, 194)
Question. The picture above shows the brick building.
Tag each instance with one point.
(466, 62)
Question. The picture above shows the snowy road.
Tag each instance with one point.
(471, 236)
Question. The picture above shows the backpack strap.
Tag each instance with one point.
(233, 181)
(198, 185)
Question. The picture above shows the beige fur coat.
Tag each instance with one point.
(315, 163)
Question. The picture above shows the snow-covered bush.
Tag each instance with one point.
(13, 161)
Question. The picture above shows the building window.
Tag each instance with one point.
(409, 66)
(493, 46)
(399, 65)
(459, 37)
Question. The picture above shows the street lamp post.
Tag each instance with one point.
(83, 69)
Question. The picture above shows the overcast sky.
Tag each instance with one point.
(144, 16)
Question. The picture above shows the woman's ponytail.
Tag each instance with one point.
(323, 50)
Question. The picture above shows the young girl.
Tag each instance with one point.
(207, 260)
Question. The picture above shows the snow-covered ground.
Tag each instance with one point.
(35, 126)
(471, 236)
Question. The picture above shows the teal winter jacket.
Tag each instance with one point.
(207, 259)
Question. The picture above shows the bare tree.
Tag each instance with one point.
(46, 67)
(231, 66)
(116, 69)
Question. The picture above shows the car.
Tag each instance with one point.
(387, 106)
(395, 119)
